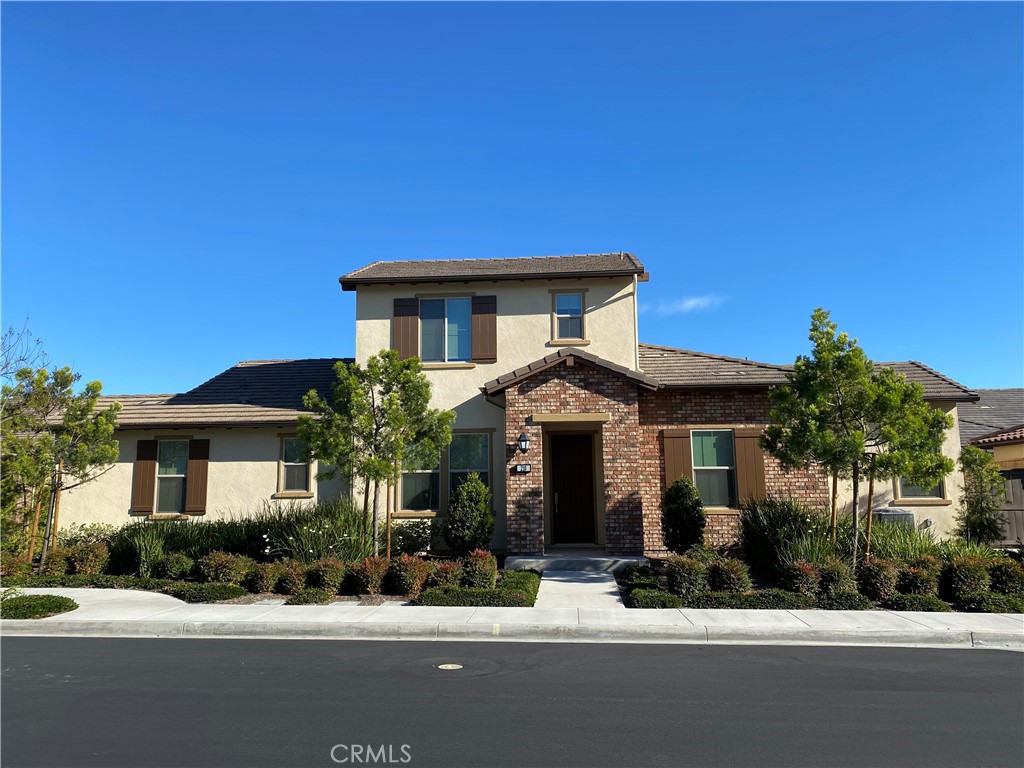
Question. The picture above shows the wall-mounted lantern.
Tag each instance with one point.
(524, 442)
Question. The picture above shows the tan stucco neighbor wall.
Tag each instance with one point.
(242, 476)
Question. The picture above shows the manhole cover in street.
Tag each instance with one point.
(449, 666)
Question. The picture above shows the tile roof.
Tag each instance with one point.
(518, 268)
(996, 409)
(502, 383)
(684, 369)
(252, 393)
(936, 386)
(1014, 434)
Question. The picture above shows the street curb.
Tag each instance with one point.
(513, 632)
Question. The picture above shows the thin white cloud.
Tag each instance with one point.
(683, 306)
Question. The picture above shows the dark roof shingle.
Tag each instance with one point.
(685, 369)
(505, 381)
(936, 386)
(517, 268)
(996, 409)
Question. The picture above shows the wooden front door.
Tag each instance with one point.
(572, 489)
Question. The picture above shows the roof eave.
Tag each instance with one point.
(352, 283)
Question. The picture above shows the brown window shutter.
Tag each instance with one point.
(485, 329)
(144, 478)
(195, 480)
(678, 455)
(749, 464)
(405, 329)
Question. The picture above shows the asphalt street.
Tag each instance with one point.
(127, 702)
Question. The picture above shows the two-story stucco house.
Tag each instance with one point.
(575, 425)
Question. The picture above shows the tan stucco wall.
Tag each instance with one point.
(1009, 456)
(242, 476)
(942, 512)
(523, 336)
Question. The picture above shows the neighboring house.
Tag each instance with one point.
(227, 447)
(576, 426)
(1007, 448)
(995, 409)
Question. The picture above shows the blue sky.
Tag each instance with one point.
(184, 183)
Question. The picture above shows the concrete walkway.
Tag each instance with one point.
(129, 613)
(578, 589)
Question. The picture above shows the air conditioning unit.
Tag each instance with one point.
(894, 515)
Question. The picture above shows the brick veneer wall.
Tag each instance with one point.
(668, 409)
(578, 389)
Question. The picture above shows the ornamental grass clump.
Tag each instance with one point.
(769, 526)
(685, 576)
(479, 570)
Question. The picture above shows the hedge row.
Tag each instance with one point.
(515, 589)
(35, 606)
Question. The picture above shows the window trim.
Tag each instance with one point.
(443, 494)
(281, 493)
(899, 500)
(733, 467)
(184, 477)
(556, 340)
(446, 361)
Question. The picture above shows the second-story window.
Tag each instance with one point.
(445, 330)
(568, 315)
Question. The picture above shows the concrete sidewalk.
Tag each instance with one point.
(129, 613)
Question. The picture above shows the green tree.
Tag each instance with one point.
(839, 414)
(469, 521)
(682, 516)
(379, 422)
(981, 518)
(54, 439)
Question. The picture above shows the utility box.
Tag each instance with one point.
(901, 516)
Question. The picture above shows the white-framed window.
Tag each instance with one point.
(714, 466)
(294, 476)
(469, 452)
(569, 315)
(445, 335)
(171, 475)
(908, 491)
(421, 488)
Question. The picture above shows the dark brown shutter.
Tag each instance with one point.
(144, 478)
(678, 455)
(405, 328)
(485, 329)
(749, 464)
(195, 480)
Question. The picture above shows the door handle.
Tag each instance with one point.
(556, 503)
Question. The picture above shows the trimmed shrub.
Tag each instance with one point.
(527, 582)
(292, 579)
(929, 603)
(729, 575)
(88, 558)
(208, 592)
(264, 577)
(654, 598)
(469, 521)
(102, 580)
(964, 576)
(479, 570)
(410, 537)
(486, 598)
(446, 574)
(990, 602)
(368, 575)
(12, 565)
(836, 577)
(682, 516)
(928, 563)
(56, 562)
(844, 601)
(800, 577)
(35, 606)
(174, 565)
(223, 568)
(685, 576)
(1007, 576)
(311, 596)
(327, 574)
(914, 580)
(641, 577)
(407, 575)
(703, 554)
(877, 579)
(765, 599)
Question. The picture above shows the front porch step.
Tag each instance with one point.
(573, 562)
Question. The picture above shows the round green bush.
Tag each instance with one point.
(527, 582)
(469, 521)
(877, 578)
(207, 592)
(685, 576)
(897, 602)
(292, 579)
(800, 577)
(311, 596)
(264, 577)
(446, 574)
(653, 598)
(729, 575)
(224, 568)
(407, 575)
(174, 565)
(844, 601)
(368, 575)
(836, 577)
(682, 516)
(56, 562)
(479, 570)
(327, 574)
(990, 602)
(915, 580)
(964, 576)
(640, 577)
(14, 565)
(35, 606)
(88, 558)
(1007, 576)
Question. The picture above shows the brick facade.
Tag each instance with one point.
(634, 466)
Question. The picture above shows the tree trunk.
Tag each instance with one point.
(376, 526)
(366, 514)
(49, 522)
(856, 510)
(387, 523)
(835, 505)
(56, 504)
(35, 528)
(871, 514)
